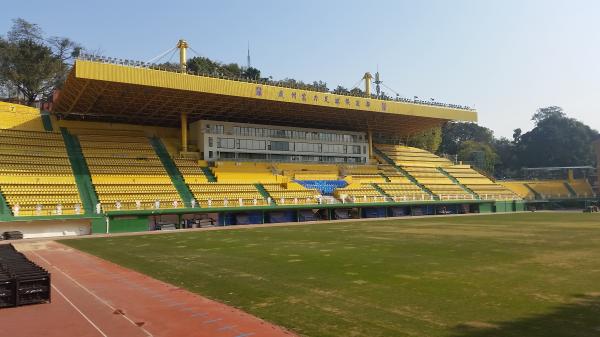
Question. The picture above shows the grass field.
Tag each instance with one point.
(479, 276)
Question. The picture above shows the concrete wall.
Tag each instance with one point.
(48, 228)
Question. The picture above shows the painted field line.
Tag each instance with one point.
(79, 311)
(101, 300)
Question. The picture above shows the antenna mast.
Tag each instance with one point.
(377, 83)
(248, 59)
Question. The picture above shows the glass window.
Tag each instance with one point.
(280, 146)
(225, 143)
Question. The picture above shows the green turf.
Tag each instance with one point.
(480, 276)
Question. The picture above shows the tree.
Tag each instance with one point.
(429, 140)
(319, 86)
(32, 63)
(517, 135)
(507, 164)
(454, 133)
(357, 92)
(478, 154)
(556, 140)
(252, 73)
(340, 90)
(548, 112)
(202, 65)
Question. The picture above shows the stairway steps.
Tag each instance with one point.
(46, 120)
(380, 190)
(456, 182)
(404, 172)
(537, 195)
(176, 178)
(4, 209)
(83, 179)
(385, 177)
(265, 194)
(209, 175)
(571, 190)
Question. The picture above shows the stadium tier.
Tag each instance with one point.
(20, 117)
(126, 172)
(292, 193)
(441, 177)
(581, 187)
(244, 172)
(404, 191)
(479, 184)
(309, 171)
(360, 193)
(550, 189)
(137, 143)
(35, 174)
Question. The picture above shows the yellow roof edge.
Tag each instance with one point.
(99, 71)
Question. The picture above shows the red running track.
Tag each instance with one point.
(96, 298)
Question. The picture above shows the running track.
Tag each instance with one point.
(95, 298)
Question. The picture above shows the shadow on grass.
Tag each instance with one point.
(581, 318)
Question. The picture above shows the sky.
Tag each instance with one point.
(506, 58)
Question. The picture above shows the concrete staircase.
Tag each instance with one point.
(456, 182)
(381, 191)
(4, 209)
(176, 177)
(209, 175)
(265, 194)
(87, 193)
(404, 172)
(571, 190)
(46, 120)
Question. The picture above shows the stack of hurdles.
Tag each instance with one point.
(36, 177)
(22, 282)
(126, 171)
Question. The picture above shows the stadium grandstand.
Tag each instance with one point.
(128, 146)
(554, 183)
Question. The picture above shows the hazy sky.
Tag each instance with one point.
(506, 58)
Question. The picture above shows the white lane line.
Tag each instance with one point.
(79, 311)
(101, 300)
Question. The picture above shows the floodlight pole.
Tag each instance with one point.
(184, 132)
(370, 137)
(367, 77)
(183, 45)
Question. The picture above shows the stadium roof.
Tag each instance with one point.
(100, 91)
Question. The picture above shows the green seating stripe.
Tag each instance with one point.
(174, 173)
(83, 179)
(455, 181)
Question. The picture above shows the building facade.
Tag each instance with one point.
(255, 142)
